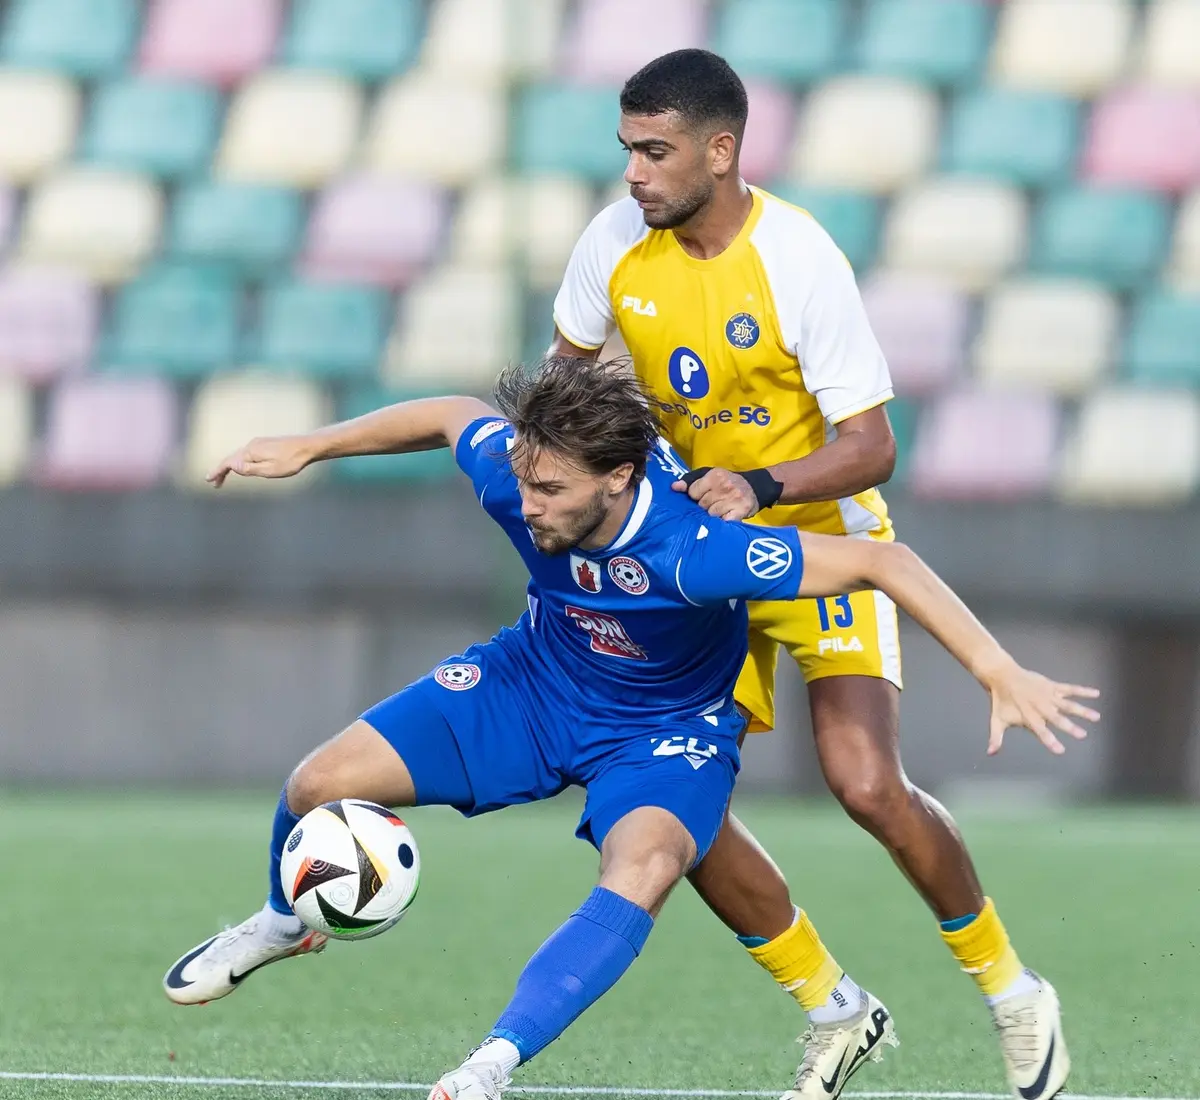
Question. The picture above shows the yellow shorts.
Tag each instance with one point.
(855, 635)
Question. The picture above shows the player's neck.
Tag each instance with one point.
(713, 229)
(610, 527)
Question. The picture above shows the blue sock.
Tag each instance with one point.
(575, 967)
(285, 822)
(958, 923)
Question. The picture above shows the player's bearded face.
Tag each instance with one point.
(561, 503)
(668, 171)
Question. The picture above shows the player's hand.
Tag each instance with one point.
(723, 493)
(279, 456)
(1024, 698)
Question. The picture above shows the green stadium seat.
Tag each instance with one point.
(851, 218)
(538, 324)
(248, 227)
(1027, 138)
(383, 469)
(327, 330)
(163, 127)
(570, 130)
(942, 41)
(1118, 237)
(177, 320)
(370, 39)
(1163, 342)
(903, 413)
(86, 38)
(793, 40)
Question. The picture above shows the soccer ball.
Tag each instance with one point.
(350, 869)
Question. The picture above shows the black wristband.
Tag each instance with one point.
(695, 475)
(767, 490)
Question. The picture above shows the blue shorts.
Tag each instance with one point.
(478, 735)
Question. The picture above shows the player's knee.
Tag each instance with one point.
(308, 787)
(871, 793)
(646, 877)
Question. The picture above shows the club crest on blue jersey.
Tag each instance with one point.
(458, 676)
(742, 330)
(628, 575)
(687, 374)
(586, 573)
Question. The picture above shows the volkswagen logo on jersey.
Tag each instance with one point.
(458, 676)
(586, 573)
(628, 575)
(741, 330)
(687, 374)
(768, 558)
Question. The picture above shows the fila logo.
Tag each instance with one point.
(839, 645)
(642, 310)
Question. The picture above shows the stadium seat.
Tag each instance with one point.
(868, 133)
(16, 428)
(769, 132)
(981, 443)
(1043, 333)
(921, 325)
(850, 218)
(1064, 46)
(791, 40)
(482, 39)
(1027, 138)
(48, 321)
(1162, 345)
(325, 330)
(86, 38)
(432, 346)
(1133, 447)
(1185, 258)
(904, 415)
(178, 320)
(1116, 237)
(103, 223)
(162, 127)
(609, 40)
(230, 409)
(420, 466)
(941, 41)
(371, 230)
(39, 113)
(370, 39)
(8, 214)
(438, 126)
(218, 41)
(108, 433)
(537, 324)
(1168, 49)
(1146, 137)
(570, 130)
(290, 128)
(246, 227)
(968, 232)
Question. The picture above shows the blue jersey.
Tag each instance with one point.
(654, 625)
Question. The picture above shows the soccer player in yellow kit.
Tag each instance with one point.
(745, 324)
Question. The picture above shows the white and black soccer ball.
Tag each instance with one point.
(350, 869)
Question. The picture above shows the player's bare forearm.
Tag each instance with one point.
(420, 425)
(560, 345)
(862, 456)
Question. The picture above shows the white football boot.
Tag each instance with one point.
(1031, 1037)
(475, 1081)
(834, 1052)
(218, 966)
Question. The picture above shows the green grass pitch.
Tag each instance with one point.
(101, 892)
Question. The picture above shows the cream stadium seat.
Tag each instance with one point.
(16, 428)
(1170, 47)
(290, 128)
(968, 232)
(870, 133)
(1055, 334)
(39, 115)
(1184, 269)
(102, 223)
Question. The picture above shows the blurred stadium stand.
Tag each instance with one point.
(222, 218)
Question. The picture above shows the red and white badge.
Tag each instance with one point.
(459, 676)
(586, 573)
(628, 575)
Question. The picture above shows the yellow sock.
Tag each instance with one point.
(983, 951)
(800, 963)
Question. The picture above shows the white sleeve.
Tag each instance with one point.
(822, 317)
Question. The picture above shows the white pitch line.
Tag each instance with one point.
(542, 1090)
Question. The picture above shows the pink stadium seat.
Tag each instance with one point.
(377, 231)
(1147, 137)
(611, 39)
(922, 328)
(108, 433)
(986, 443)
(768, 132)
(48, 321)
(220, 41)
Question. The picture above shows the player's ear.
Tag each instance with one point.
(620, 478)
(722, 153)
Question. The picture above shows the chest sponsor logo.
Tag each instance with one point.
(586, 573)
(607, 634)
(687, 374)
(755, 416)
(628, 575)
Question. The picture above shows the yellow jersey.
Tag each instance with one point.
(751, 357)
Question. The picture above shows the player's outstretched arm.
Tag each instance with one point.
(1020, 697)
(422, 425)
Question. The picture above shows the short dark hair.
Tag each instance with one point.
(697, 84)
(594, 414)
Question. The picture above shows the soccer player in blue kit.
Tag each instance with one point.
(618, 678)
